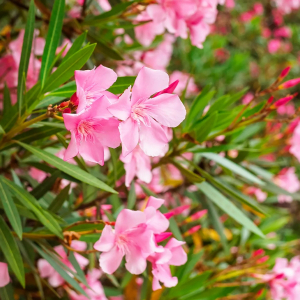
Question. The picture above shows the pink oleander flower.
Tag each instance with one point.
(288, 109)
(258, 193)
(295, 142)
(174, 255)
(91, 130)
(287, 6)
(4, 275)
(247, 98)
(183, 78)
(37, 174)
(274, 46)
(230, 3)
(95, 290)
(137, 163)
(92, 85)
(288, 180)
(143, 116)
(283, 32)
(47, 271)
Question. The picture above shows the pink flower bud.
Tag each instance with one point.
(258, 252)
(263, 259)
(176, 211)
(283, 101)
(192, 230)
(162, 236)
(169, 90)
(270, 100)
(285, 72)
(74, 99)
(290, 83)
(196, 216)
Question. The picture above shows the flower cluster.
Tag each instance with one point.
(287, 6)
(136, 236)
(179, 18)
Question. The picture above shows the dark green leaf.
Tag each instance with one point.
(52, 39)
(69, 169)
(10, 209)
(121, 84)
(131, 197)
(203, 128)
(58, 202)
(7, 292)
(6, 100)
(11, 251)
(76, 45)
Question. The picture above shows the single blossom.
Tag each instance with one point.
(4, 275)
(295, 141)
(47, 271)
(91, 130)
(143, 116)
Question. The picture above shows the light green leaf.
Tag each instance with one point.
(52, 39)
(131, 196)
(203, 128)
(226, 163)
(228, 207)
(11, 251)
(69, 169)
(10, 209)
(25, 55)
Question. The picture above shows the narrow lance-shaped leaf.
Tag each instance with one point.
(6, 99)
(53, 36)
(228, 207)
(58, 202)
(76, 46)
(11, 251)
(10, 209)
(25, 55)
(69, 169)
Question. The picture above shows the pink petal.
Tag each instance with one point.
(143, 170)
(45, 269)
(98, 109)
(135, 261)
(122, 108)
(93, 152)
(153, 140)
(106, 241)
(129, 132)
(108, 133)
(166, 109)
(78, 245)
(179, 256)
(110, 261)
(72, 149)
(155, 202)
(130, 169)
(169, 90)
(149, 82)
(82, 261)
(163, 274)
(128, 219)
(55, 280)
(71, 121)
(155, 284)
(156, 221)
(4, 275)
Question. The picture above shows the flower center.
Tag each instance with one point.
(139, 114)
(122, 243)
(86, 129)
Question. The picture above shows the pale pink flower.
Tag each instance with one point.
(288, 109)
(37, 174)
(230, 3)
(174, 255)
(137, 163)
(67, 43)
(258, 193)
(131, 238)
(287, 6)
(95, 290)
(295, 142)
(92, 85)
(274, 46)
(247, 98)
(283, 32)
(47, 271)
(105, 5)
(143, 117)
(183, 79)
(288, 180)
(91, 130)
(4, 275)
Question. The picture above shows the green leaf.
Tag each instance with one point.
(11, 251)
(25, 55)
(76, 46)
(69, 169)
(131, 197)
(58, 202)
(6, 100)
(107, 16)
(66, 70)
(10, 210)
(52, 39)
(32, 204)
(7, 292)
(226, 163)
(192, 177)
(77, 268)
(121, 84)
(58, 268)
(203, 128)
(212, 294)
(228, 207)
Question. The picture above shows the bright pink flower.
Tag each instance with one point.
(290, 83)
(131, 238)
(4, 275)
(177, 211)
(183, 79)
(283, 101)
(174, 255)
(143, 117)
(258, 8)
(288, 180)
(283, 32)
(92, 130)
(95, 290)
(230, 3)
(285, 72)
(92, 85)
(274, 46)
(47, 271)
(137, 163)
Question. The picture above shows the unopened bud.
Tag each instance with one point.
(162, 236)
(282, 101)
(196, 216)
(169, 90)
(176, 211)
(290, 83)
(192, 230)
(285, 72)
(270, 100)
(74, 99)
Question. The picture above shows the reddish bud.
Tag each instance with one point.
(196, 216)
(110, 223)
(285, 72)
(67, 111)
(192, 230)
(258, 252)
(263, 259)
(290, 83)
(74, 99)
(162, 236)
(169, 90)
(282, 101)
(270, 100)
(176, 211)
